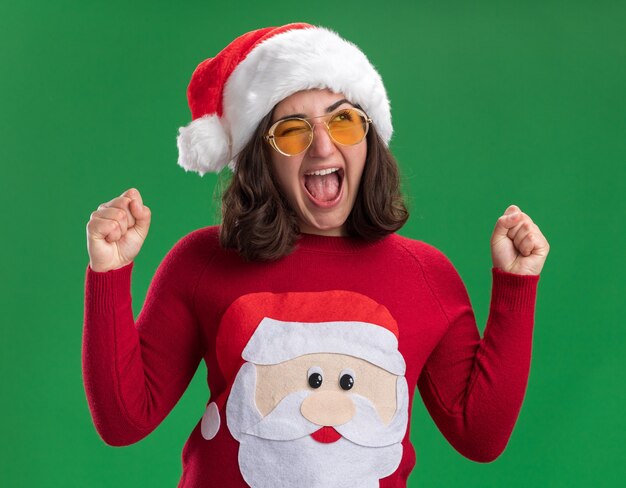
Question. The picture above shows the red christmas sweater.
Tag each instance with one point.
(312, 360)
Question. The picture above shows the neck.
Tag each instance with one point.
(335, 232)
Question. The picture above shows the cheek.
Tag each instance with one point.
(277, 381)
(285, 176)
(357, 162)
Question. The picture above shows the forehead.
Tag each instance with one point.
(309, 102)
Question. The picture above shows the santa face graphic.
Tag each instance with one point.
(314, 429)
(317, 404)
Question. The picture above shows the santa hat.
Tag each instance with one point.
(269, 328)
(229, 94)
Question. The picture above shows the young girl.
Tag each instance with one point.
(315, 319)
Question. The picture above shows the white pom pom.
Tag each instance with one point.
(203, 145)
(210, 421)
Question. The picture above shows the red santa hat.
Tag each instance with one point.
(269, 328)
(229, 94)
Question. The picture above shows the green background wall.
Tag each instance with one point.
(493, 103)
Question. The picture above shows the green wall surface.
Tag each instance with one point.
(493, 103)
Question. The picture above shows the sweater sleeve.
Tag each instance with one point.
(473, 388)
(135, 372)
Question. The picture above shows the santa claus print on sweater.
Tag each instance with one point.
(317, 391)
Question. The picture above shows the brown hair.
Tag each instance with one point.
(260, 224)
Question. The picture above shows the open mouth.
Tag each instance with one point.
(325, 186)
(326, 435)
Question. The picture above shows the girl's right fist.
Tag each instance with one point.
(116, 231)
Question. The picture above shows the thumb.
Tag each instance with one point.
(507, 221)
(511, 208)
(142, 215)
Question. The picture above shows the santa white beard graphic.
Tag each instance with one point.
(278, 450)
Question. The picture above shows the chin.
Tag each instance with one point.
(332, 222)
(336, 228)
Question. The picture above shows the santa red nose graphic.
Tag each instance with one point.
(318, 395)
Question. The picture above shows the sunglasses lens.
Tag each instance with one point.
(292, 136)
(348, 127)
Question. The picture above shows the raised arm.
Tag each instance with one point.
(135, 372)
(473, 387)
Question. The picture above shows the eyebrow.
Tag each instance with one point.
(328, 110)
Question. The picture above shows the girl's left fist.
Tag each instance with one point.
(517, 244)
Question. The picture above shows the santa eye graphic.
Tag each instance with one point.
(315, 377)
(346, 379)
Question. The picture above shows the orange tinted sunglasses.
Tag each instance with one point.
(292, 136)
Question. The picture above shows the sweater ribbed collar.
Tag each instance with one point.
(315, 242)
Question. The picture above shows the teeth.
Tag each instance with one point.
(323, 172)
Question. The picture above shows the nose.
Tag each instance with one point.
(328, 408)
(322, 145)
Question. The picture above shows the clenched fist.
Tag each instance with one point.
(517, 244)
(116, 231)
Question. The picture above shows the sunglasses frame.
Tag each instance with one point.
(269, 137)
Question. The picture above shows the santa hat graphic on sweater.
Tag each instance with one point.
(269, 328)
(229, 94)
